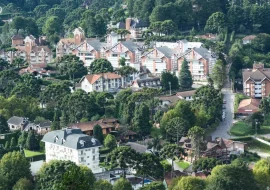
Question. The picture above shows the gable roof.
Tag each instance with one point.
(250, 37)
(137, 147)
(137, 23)
(256, 74)
(203, 52)
(16, 120)
(173, 99)
(96, 44)
(93, 78)
(249, 104)
(166, 51)
(71, 138)
(130, 45)
(17, 37)
(185, 93)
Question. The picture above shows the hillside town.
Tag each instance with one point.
(134, 95)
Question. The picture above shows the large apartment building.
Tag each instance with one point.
(256, 81)
(29, 49)
(73, 145)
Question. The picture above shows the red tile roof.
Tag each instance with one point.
(249, 104)
(93, 78)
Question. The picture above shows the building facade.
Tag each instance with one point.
(256, 81)
(109, 82)
(73, 145)
(29, 50)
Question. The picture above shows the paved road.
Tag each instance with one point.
(224, 127)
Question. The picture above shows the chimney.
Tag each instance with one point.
(128, 23)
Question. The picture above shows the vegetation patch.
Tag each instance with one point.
(182, 164)
(243, 129)
(29, 153)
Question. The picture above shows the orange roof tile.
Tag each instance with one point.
(93, 78)
(249, 104)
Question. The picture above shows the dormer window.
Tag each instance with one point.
(56, 138)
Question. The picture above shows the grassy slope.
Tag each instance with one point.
(29, 153)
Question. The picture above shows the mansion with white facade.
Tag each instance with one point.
(73, 145)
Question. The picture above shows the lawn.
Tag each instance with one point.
(183, 165)
(29, 153)
(242, 129)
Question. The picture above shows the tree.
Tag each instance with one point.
(185, 78)
(167, 78)
(149, 165)
(3, 64)
(14, 166)
(102, 185)
(52, 26)
(97, 132)
(171, 151)
(261, 43)
(122, 61)
(100, 66)
(61, 175)
(196, 133)
(156, 185)
(110, 141)
(22, 139)
(205, 164)
(3, 125)
(191, 183)
(23, 184)
(122, 184)
(32, 141)
(123, 157)
(122, 32)
(13, 142)
(7, 145)
(261, 173)
(231, 177)
(219, 74)
(216, 22)
(141, 121)
(257, 119)
(176, 128)
(168, 26)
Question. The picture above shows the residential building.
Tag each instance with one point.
(256, 81)
(186, 95)
(139, 84)
(73, 145)
(38, 70)
(107, 125)
(158, 60)
(169, 100)
(17, 123)
(89, 50)
(29, 50)
(248, 106)
(248, 39)
(201, 62)
(109, 82)
(219, 148)
(208, 36)
(125, 49)
(135, 26)
(66, 45)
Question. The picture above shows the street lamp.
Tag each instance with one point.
(170, 88)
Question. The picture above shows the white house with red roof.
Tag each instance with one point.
(109, 82)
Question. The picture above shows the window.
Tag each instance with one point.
(81, 159)
(94, 158)
(93, 151)
(114, 55)
(82, 152)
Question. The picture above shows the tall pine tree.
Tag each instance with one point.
(98, 133)
(141, 120)
(32, 142)
(185, 78)
(3, 125)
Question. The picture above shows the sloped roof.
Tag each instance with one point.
(88, 126)
(256, 75)
(138, 23)
(71, 138)
(249, 104)
(17, 37)
(250, 37)
(15, 120)
(93, 78)
(172, 99)
(137, 147)
(130, 45)
(203, 52)
(166, 51)
(186, 93)
(96, 44)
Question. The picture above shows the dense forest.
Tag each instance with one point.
(59, 17)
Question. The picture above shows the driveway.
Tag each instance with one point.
(224, 127)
